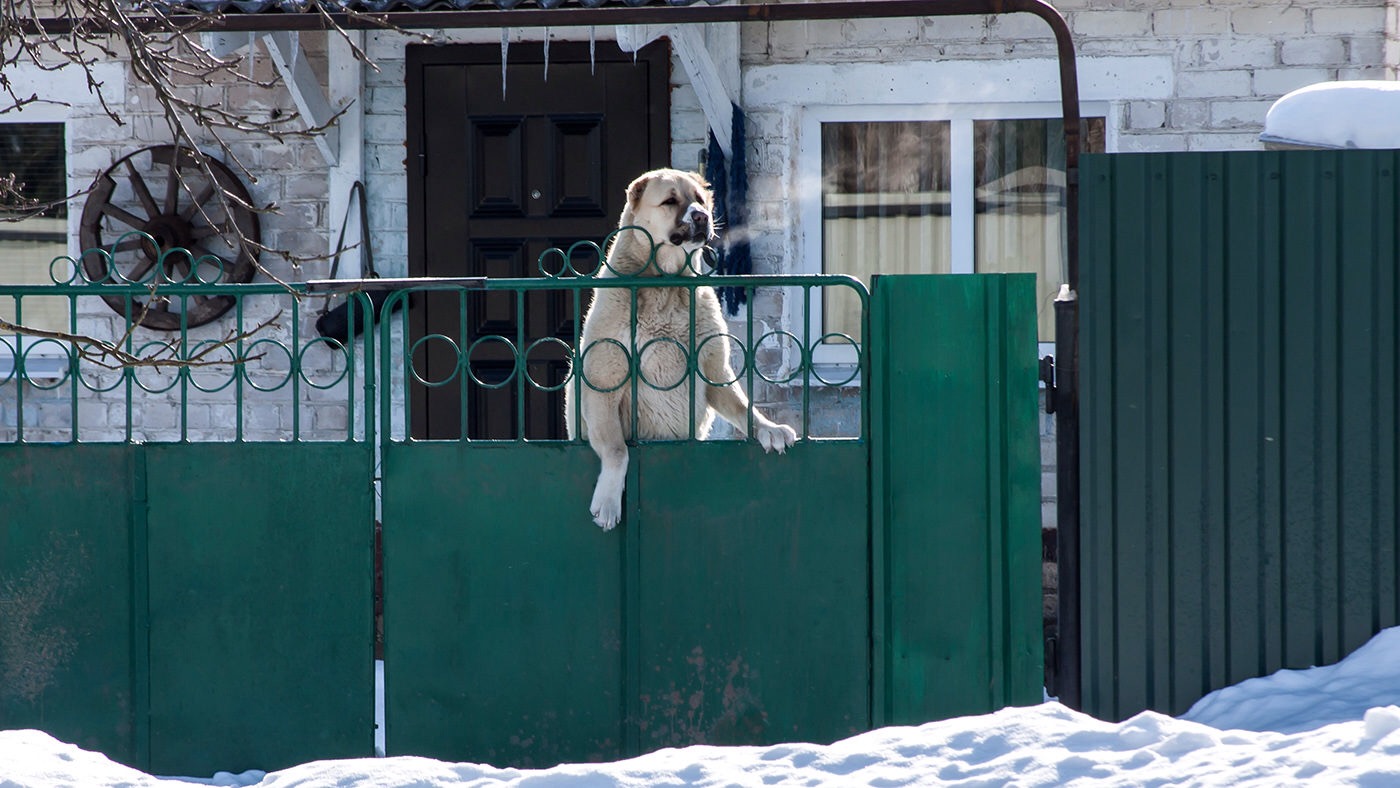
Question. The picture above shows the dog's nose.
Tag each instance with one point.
(699, 219)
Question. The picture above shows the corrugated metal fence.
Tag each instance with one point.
(1239, 405)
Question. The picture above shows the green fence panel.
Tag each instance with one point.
(730, 607)
(753, 593)
(158, 608)
(955, 495)
(1239, 418)
(261, 604)
(67, 652)
(503, 623)
(746, 598)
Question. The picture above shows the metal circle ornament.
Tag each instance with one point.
(149, 205)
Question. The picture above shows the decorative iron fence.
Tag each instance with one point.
(747, 598)
(92, 373)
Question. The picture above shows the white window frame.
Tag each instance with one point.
(47, 360)
(961, 117)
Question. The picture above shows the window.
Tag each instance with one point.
(34, 154)
(979, 190)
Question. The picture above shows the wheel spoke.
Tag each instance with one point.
(143, 193)
(182, 267)
(172, 188)
(125, 217)
(139, 271)
(200, 199)
(199, 233)
(129, 245)
(228, 265)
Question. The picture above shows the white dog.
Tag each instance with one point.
(674, 208)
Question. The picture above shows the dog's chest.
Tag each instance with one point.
(668, 315)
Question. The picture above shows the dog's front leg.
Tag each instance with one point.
(731, 404)
(601, 414)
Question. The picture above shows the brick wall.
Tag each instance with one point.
(1392, 39)
(1230, 59)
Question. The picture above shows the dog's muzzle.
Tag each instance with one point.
(694, 227)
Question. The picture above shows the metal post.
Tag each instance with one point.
(1066, 404)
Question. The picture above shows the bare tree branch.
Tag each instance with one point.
(161, 46)
(110, 355)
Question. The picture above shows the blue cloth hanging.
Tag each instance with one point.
(730, 184)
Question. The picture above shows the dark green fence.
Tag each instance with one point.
(188, 606)
(186, 579)
(955, 496)
(731, 606)
(1239, 406)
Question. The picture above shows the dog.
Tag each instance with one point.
(674, 211)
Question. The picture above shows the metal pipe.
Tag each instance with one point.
(1068, 684)
(319, 286)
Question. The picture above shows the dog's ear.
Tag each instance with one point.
(635, 188)
(703, 193)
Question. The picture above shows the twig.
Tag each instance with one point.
(111, 356)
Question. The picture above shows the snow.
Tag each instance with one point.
(1348, 114)
(1332, 725)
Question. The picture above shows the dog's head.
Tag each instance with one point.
(674, 207)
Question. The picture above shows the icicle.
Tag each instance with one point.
(546, 54)
(592, 50)
(505, 48)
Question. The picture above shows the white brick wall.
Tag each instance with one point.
(1391, 51)
(1234, 54)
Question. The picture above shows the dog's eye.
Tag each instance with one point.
(670, 201)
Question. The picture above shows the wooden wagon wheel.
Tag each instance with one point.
(162, 192)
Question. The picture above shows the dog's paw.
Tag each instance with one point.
(606, 511)
(777, 437)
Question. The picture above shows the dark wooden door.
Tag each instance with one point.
(497, 176)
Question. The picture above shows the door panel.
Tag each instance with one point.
(494, 181)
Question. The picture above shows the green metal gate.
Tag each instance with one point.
(747, 599)
(192, 604)
(1239, 404)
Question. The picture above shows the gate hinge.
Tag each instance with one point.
(1047, 376)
